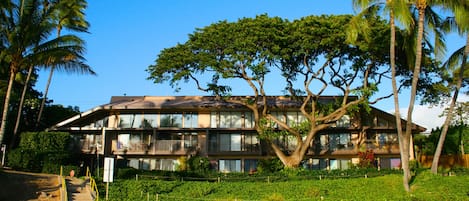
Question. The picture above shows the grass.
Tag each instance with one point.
(426, 186)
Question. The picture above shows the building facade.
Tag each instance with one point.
(153, 132)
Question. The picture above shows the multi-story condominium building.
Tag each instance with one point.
(149, 132)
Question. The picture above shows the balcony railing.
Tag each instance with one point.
(382, 146)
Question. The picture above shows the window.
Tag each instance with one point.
(166, 164)
(295, 118)
(292, 118)
(190, 140)
(230, 142)
(135, 142)
(248, 120)
(169, 141)
(395, 163)
(251, 143)
(123, 141)
(130, 121)
(320, 142)
(343, 122)
(250, 165)
(171, 120)
(387, 138)
(150, 121)
(317, 164)
(102, 122)
(231, 120)
(125, 121)
(341, 164)
(340, 141)
(191, 120)
(212, 142)
(229, 165)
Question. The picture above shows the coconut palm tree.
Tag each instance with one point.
(67, 14)
(396, 9)
(460, 22)
(18, 40)
(27, 30)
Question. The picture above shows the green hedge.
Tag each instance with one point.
(42, 152)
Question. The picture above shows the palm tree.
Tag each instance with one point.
(19, 39)
(397, 9)
(68, 14)
(460, 56)
(27, 31)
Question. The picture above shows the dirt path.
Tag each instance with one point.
(24, 186)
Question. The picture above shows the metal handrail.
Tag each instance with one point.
(93, 185)
(63, 193)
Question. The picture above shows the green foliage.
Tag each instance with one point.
(182, 164)
(456, 134)
(41, 152)
(127, 173)
(274, 197)
(269, 165)
(389, 187)
(198, 164)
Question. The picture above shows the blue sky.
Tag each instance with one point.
(126, 36)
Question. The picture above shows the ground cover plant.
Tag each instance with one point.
(426, 186)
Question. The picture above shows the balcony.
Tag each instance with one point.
(159, 147)
(382, 147)
(246, 149)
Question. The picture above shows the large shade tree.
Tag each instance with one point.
(310, 54)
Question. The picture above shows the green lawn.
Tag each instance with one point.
(425, 187)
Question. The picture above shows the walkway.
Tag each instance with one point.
(78, 189)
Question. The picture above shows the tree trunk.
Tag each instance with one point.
(413, 94)
(449, 116)
(7, 104)
(43, 102)
(290, 161)
(20, 107)
(396, 99)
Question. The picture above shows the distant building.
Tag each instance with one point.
(152, 132)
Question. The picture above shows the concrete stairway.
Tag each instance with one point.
(78, 189)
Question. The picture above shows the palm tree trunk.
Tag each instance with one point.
(392, 50)
(413, 94)
(20, 107)
(449, 116)
(6, 104)
(41, 109)
(59, 29)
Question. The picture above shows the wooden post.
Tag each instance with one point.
(107, 190)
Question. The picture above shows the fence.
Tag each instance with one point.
(446, 161)
(267, 179)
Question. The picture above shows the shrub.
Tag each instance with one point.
(367, 159)
(198, 164)
(269, 165)
(41, 152)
